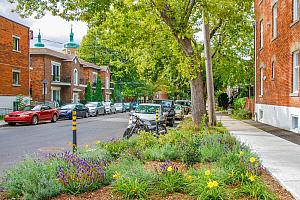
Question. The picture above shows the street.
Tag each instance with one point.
(19, 141)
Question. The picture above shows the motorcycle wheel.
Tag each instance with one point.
(128, 133)
(162, 130)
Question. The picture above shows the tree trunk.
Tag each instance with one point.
(209, 74)
(198, 103)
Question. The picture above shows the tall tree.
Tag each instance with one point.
(98, 96)
(88, 92)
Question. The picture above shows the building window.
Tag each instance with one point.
(16, 43)
(55, 72)
(94, 78)
(16, 78)
(55, 95)
(295, 10)
(275, 15)
(295, 122)
(75, 77)
(261, 81)
(261, 34)
(107, 83)
(273, 70)
(295, 72)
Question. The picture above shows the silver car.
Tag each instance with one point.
(120, 107)
(147, 112)
(109, 107)
(95, 108)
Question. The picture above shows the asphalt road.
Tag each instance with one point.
(19, 141)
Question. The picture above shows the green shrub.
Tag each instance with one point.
(131, 188)
(242, 114)
(33, 179)
(164, 153)
(239, 103)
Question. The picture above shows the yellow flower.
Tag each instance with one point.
(189, 178)
(215, 183)
(210, 184)
(117, 175)
(70, 144)
(170, 168)
(252, 159)
(86, 146)
(242, 153)
(98, 142)
(252, 178)
(207, 173)
(231, 174)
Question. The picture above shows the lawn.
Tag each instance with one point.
(1, 117)
(184, 164)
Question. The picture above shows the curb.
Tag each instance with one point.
(3, 124)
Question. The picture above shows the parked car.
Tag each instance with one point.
(127, 106)
(109, 107)
(147, 111)
(66, 111)
(179, 112)
(95, 108)
(120, 107)
(134, 105)
(169, 110)
(32, 114)
(186, 104)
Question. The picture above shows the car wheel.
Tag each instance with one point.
(54, 118)
(11, 123)
(172, 122)
(96, 114)
(35, 120)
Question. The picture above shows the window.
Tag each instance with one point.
(261, 81)
(107, 83)
(273, 70)
(16, 43)
(261, 114)
(295, 122)
(275, 15)
(261, 34)
(295, 10)
(55, 72)
(55, 95)
(295, 72)
(75, 77)
(16, 78)
(94, 78)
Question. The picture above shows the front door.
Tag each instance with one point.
(75, 97)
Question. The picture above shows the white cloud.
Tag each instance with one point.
(52, 28)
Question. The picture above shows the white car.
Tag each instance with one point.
(120, 107)
(109, 108)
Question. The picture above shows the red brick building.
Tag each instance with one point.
(64, 74)
(277, 63)
(14, 62)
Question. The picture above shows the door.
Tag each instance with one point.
(75, 97)
(45, 113)
(78, 110)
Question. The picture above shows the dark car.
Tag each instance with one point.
(186, 104)
(169, 110)
(127, 106)
(66, 111)
(134, 105)
(32, 114)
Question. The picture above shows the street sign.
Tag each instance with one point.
(44, 87)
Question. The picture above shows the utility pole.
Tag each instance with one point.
(209, 73)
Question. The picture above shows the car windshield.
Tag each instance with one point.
(91, 104)
(166, 104)
(118, 104)
(146, 109)
(181, 102)
(106, 104)
(34, 108)
(68, 107)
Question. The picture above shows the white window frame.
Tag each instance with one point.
(295, 71)
(261, 26)
(94, 74)
(295, 10)
(107, 83)
(273, 70)
(75, 76)
(18, 43)
(52, 72)
(274, 19)
(19, 82)
(55, 89)
(261, 81)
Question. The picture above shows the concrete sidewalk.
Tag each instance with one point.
(280, 157)
(3, 123)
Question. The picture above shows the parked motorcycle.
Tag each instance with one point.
(143, 125)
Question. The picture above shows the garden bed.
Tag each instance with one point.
(185, 164)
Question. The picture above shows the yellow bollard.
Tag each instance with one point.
(74, 129)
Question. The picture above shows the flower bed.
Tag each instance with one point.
(184, 164)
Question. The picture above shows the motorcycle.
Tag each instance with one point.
(138, 125)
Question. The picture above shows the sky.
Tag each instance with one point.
(52, 27)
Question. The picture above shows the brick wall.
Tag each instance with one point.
(278, 50)
(11, 60)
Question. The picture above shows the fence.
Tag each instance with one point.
(4, 111)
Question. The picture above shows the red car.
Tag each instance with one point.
(32, 114)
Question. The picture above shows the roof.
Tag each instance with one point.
(14, 21)
(57, 54)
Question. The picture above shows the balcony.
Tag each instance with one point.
(61, 80)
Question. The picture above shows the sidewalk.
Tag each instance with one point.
(280, 157)
(2, 123)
